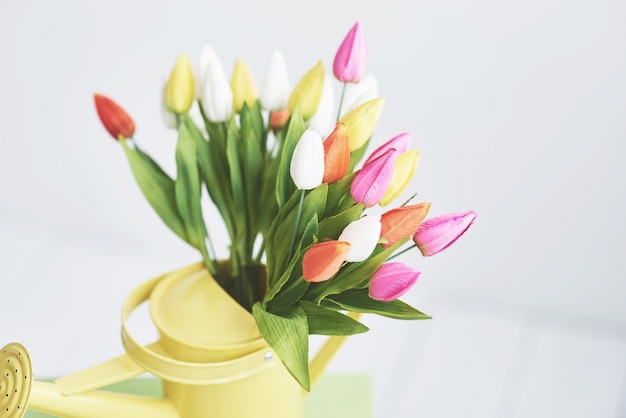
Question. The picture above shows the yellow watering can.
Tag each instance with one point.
(210, 357)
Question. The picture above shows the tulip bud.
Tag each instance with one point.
(307, 162)
(324, 118)
(402, 222)
(403, 171)
(216, 95)
(400, 142)
(438, 233)
(243, 86)
(359, 93)
(307, 93)
(370, 184)
(362, 235)
(336, 154)
(323, 260)
(351, 57)
(207, 56)
(391, 281)
(275, 90)
(279, 119)
(361, 122)
(115, 119)
(180, 88)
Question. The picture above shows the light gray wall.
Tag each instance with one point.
(519, 111)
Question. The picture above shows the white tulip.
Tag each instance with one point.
(359, 93)
(275, 90)
(323, 121)
(307, 162)
(363, 235)
(207, 55)
(216, 95)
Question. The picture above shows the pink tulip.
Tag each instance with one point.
(436, 234)
(400, 142)
(351, 57)
(391, 281)
(371, 183)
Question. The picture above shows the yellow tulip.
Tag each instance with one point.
(362, 120)
(308, 92)
(403, 171)
(243, 86)
(180, 88)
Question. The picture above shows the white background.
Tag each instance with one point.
(518, 107)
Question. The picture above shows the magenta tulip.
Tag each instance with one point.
(436, 234)
(400, 142)
(351, 57)
(371, 183)
(391, 281)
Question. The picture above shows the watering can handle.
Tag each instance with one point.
(327, 352)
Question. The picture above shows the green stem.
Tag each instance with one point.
(402, 252)
(295, 230)
(177, 120)
(343, 92)
(261, 251)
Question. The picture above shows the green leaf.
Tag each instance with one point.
(337, 192)
(187, 188)
(284, 184)
(357, 155)
(358, 300)
(326, 321)
(157, 187)
(333, 226)
(237, 184)
(288, 334)
(252, 166)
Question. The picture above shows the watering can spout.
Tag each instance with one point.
(19, 392)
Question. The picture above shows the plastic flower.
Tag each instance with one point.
(307, 162)
(323, 260)
(362, 120)
(216, 95)
(363, 235)
(351, 57)
(307, 93)
(438, 233)
(279, 119)
(336, 154)
(391, 281)
(403, 171)
(402, 222)
(359, 93)
(180, 87)
(207, 56)
(275, 89)
(243, 86)
(400, 142)
(325, 117)
(370, 184)
(114, 118)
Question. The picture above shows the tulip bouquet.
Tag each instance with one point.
(283, 169)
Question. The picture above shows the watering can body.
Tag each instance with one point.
(210, 356)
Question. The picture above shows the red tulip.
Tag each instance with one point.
(402, 222)
(115, 119)
(336, 154)
(323, 260)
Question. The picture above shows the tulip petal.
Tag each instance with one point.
(403, 171)
(113, 117)
(402, 222)
(275, 90)
(324, 118)
(391, 281)
(207, 56)
(362, 120)
(400, 142)
(363, 235)
(217, 95)
(370, 184)
(243, 86)
(351, 57)
(323, 260)
(336, 154)
(438, 233)
(306, 95)
(307, 162)
(359, 93)
(180, 88)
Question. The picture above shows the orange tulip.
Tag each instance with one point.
(402, 222)
(115, 119)
(336, 154)
(279, 119)
(323, 260)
